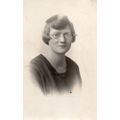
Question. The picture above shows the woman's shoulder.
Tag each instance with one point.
(39, 62)
(74, 69)
(36, 59)
(71, 62)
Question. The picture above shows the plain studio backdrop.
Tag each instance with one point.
(80, 105)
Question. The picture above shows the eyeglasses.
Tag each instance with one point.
(58, 35)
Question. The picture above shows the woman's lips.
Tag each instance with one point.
(63, 45)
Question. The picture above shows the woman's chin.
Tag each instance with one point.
(61, 51)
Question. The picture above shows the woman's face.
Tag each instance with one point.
(61, 40)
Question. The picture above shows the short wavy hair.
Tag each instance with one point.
(57, 22)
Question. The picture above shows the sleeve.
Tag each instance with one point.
(79, 75)
(38, 76)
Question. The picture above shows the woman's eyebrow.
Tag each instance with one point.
(56, 32)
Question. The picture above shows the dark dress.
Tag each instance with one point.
(48, 78)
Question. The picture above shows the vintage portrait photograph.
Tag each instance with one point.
(59, 60)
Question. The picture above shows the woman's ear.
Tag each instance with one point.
(74, 38)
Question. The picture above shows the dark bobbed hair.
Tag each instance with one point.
(57, 22)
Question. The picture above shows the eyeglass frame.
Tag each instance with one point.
(59, 35)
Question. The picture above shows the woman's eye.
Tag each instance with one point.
(67, 35)
(56, 35)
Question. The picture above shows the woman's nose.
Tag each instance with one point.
(62, 38)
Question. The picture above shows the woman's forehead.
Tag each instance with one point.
(67, 29)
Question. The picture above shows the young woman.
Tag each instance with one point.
(54, 71)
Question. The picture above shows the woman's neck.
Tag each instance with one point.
(58, 61)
